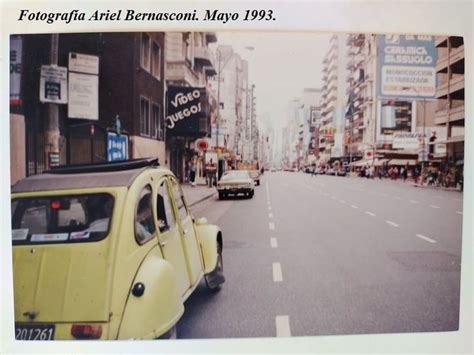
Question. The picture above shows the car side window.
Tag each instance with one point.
(166, 219)
(180, 204)
(144, 224)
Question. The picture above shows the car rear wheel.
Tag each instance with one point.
(215, 278)
(170, 334)
(221, 195)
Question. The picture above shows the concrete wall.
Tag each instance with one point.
(148, 148)
(17, 148)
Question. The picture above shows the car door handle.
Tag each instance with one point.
(163, 242)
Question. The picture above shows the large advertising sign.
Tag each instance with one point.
(406, 66)
(187, 111)
(16, 45)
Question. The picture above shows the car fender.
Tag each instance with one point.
(209, 235)
(158, 309)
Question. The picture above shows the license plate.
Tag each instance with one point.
(34, 331)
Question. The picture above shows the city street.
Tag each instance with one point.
(325, 255)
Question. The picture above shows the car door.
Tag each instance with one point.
(170, 235)
(190, 242)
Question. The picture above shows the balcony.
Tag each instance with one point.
(454, 114)
(210, 71)
(452, 58)
(455, 84)
(211, 37)
(181, 72)
(204, 56)
(441, 41)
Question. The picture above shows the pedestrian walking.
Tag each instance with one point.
(211, 169)
(192, 173)
(405, 174)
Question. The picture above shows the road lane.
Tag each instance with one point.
(342, 269)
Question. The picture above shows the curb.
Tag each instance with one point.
(202, 199)
(438, 188)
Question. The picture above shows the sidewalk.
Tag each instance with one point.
(198, 193)
(410, 182)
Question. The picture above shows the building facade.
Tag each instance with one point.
(115, 85)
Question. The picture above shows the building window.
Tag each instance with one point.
(145, 124)
(156, 61)
(157, 123)
(145, 52)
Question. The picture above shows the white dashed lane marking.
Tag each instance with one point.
(271, 226)
(270, 215)
(283, 326)
(342, 201)
(277, 274)
(274, 242)
(458, 212)
(434, 206)
(370, 213)
(421, 236)
(393, 224)
(354, 206)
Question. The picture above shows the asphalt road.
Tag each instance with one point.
(328, 255)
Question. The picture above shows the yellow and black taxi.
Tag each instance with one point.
(107, 251)
(234, 182)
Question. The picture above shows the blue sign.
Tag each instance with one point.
(406, 66)
(117, 146)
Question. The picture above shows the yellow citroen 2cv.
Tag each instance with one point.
(107, 251)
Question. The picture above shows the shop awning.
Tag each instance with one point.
(369, 162)
(380, 162)
(402, 162)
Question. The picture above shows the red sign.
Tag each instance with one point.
(202, 145)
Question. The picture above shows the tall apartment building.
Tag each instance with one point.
(450, 110)
(311, 99)
(333, 100)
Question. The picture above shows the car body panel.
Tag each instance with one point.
(154, 312)
(208, 236)
(91, 282)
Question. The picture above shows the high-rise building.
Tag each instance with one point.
(333, 100)
(450, 111)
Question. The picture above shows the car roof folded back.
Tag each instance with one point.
(48, 182)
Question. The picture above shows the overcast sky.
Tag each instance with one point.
(281, 65)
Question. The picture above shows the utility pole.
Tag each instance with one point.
(51, 137)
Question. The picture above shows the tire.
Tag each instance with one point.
(251, 193)
(217, 273)
(170, 334)
(221, 195)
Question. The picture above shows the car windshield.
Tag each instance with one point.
(235, 175)
(61, 219)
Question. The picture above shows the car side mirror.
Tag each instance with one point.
(201, 221)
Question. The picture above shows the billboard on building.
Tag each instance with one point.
(187, 112)
(406, 66)
(83, 86)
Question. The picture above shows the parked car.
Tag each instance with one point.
(234, 182)
(107, 251)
